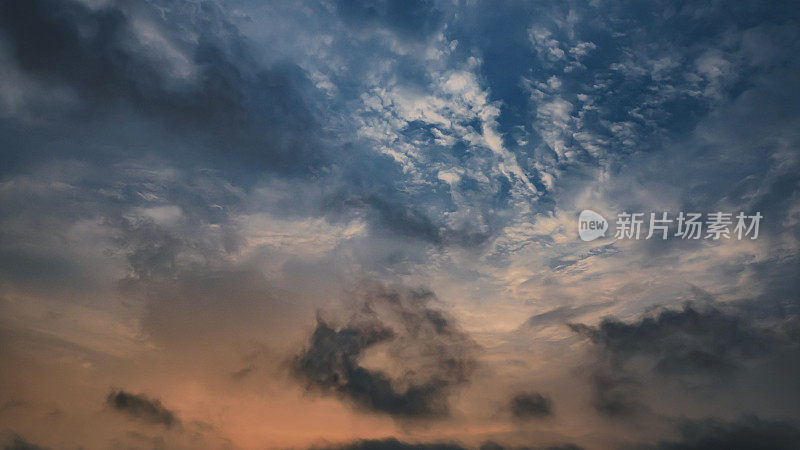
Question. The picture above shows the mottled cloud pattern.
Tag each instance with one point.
(353, 224)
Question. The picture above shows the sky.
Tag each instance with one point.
(328, 224)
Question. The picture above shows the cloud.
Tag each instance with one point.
(495, 446)
(195, 78)
(671, 337)
(142, 408)
(404, 220)
(531, 406)
(603, 251)
(614, 393)
(391, 444)
(561, 315)
(152, 250)
(414, 19)
(395, 444)
(421, 356)
(689, 350)
(16, 442)
(687, 340)
(180, 147)
(750, 432)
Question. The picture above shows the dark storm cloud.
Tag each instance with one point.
(16, 442)
(687, 340)
(748, 433)
(141, 407)
(697, 347)
(495, 446)
(391, 444)
(256, 116)
(395, 444)
(531, 405)
(401, 319)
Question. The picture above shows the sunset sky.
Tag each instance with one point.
(246, 224)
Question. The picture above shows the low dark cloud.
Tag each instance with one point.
(141, 407)
(395, 444)
(688, 340)
(391, 444)
(495, 446)
(697, 347)
(670, 337)
(531, 405)
(435, 356)
(135, 439)
(16, 442)
(748, 433)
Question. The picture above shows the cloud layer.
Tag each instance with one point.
(243, 209)
(432, 355)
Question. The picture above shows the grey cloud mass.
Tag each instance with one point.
(211, 90)
(531, 406)
(749, 432)
(395, 444)
(141, 407)
(699, 347)
(401, 319)
(18, 443)
(686, 340)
